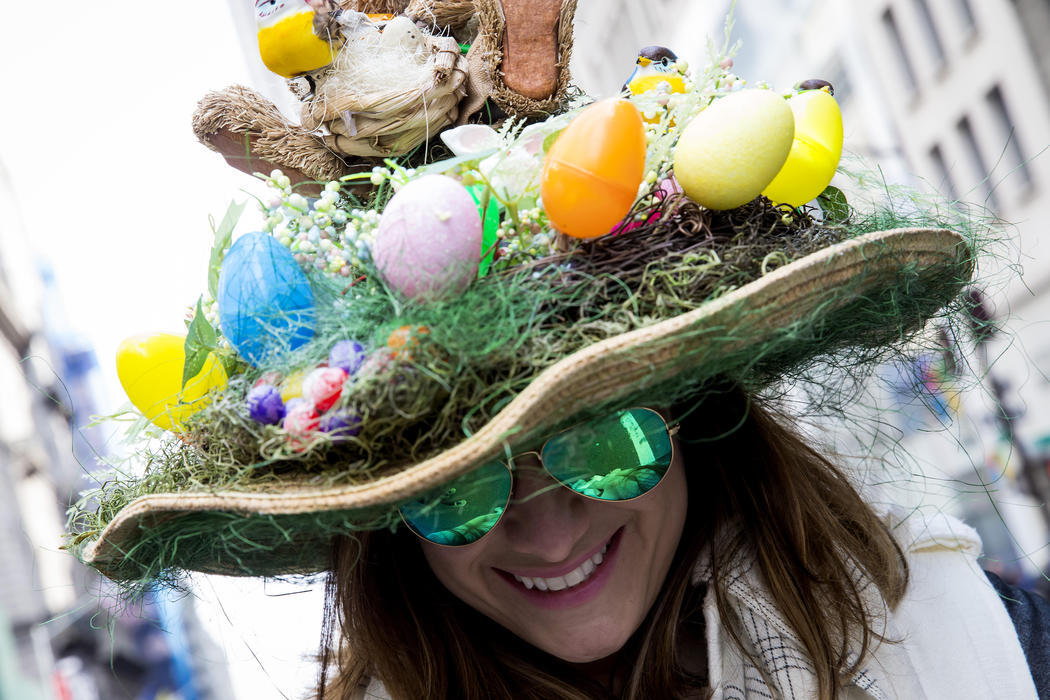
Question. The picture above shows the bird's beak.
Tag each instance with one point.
(643, 61)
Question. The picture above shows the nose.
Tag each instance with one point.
(545, 519)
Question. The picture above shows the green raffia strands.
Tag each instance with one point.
(484, 347)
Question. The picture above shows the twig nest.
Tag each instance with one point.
(428, 243)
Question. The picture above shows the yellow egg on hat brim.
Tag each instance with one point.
(150, 368)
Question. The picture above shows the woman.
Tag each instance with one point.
(728, 557)
(742, 491)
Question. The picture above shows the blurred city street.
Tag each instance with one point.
(105, 199)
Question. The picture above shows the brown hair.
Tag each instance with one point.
(800, 518)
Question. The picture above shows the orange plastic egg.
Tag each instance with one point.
(593, 170)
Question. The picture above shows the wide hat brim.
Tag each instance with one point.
(835, 298)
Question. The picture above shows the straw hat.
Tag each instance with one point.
(798, 309)
(557, 330)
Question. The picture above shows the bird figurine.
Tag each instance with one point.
(288, 44)
(654, 65)
(815, 84)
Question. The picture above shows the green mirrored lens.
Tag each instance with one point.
(614, 458)
(463, 510)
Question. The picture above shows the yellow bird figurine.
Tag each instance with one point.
(288, 44)
(654, 65)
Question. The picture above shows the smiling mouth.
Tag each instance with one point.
(574, 578)
(580, 575)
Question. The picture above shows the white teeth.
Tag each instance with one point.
(557, 583)
(573, 578)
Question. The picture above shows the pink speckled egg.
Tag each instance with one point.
(428, 243)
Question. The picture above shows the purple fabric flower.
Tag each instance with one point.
(346, 355)
(265, 405)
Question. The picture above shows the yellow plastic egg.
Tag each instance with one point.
(593, 170)
(733, 149)
(150, 367)
(815, 152)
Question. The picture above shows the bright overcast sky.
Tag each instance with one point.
(115, 192)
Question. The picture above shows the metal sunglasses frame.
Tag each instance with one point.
(670, 428)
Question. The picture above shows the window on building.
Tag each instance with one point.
(836, 74)
(966, 14)
(889, 22)
(944, 175)
(1013, 153)
(980, 167)
(929, 27)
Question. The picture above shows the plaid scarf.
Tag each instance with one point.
(769, 638)
(949, 638)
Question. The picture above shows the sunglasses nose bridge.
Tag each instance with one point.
(538, 471)
(528, 467)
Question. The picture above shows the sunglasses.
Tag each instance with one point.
(614, 458)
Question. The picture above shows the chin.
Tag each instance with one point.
(582, 643)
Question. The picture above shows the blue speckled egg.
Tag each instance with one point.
(265, 303)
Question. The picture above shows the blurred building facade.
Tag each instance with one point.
(64, 634)
(947, 96)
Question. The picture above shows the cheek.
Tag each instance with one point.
(676, 494)
(457, 568)
(662, 515)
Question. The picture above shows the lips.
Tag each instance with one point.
(573, 587)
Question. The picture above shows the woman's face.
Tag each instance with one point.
(550, 537)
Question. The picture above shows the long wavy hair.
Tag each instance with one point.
(388, 617)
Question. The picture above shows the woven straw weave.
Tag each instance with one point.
(394, 121)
